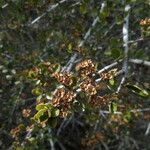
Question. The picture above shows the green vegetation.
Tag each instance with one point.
(74, 74)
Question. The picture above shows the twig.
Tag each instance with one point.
(140, 62)
(64, 124)
(125, 40)
(52, 7)
(4, 6)
(70, 63)
(52, 144)
(134, 41)
(147, 130)
(109, 29)
(120, 113)
(109, 66)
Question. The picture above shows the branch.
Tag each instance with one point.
(125, 31)
(109, 66)
(140, 62)
(4, 6)
(70, 63)
(52, 7)
(134, 41)
(147, 130)
(120, 113)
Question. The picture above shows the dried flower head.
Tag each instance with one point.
(26, 113)
(15, 132)
(99, 101)
(63, 99)
(145, 22)
(86, 67)
(108, 75)
(64, 78)
(92, 141)
(88, 88)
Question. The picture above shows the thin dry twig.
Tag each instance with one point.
(70, 63)
(125, 31)
(52, 7)
(5, 5)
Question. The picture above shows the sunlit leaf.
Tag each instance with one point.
(113, 107)
(112, 82)
(40, 113)
(137, 90)
(40, 106)
(37, 91)
(55, 112)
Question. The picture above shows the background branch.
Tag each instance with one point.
(125, 32)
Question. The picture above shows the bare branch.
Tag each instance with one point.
(52, 7)
(120, 113)
(140, 62)
(88, 33)
(134, 41)
(125, 31)
(147, 130)
(4, 6)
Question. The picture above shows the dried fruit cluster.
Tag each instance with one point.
(108, 75)
(88, 88)
(99, 101)
(145, 22)
(63, 100)
(64, 78)
(92, 141)
(86, 68)
(26, 113)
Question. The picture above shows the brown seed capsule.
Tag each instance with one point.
(64, 78)
(26, 113)
(145, 22)
(86, 68)
(88, 88)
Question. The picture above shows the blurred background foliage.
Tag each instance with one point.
(54, 37)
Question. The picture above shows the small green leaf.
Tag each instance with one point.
(83, 8)
(127, 117)
(55, 112)
(40, 106)
(52, 122)
(37, 91)
(137, 90)
(112, 82)
(70, 48)
(113, 107)
(39, 98)
(57, 68)
(49, 106)
(115, 53)
(32, 74)
(40, 113)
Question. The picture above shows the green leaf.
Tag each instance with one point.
(127, 116)
(137, 90)
(113, 107)
(115, 53)
(112, 82)
(49, 106)
(70, 46)
(32, 74)
(83, 8)
(37, 91)
(52, 122)
(55, 112)
(57, 68)
(39, 98)
(40, 113)
(40, 106)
